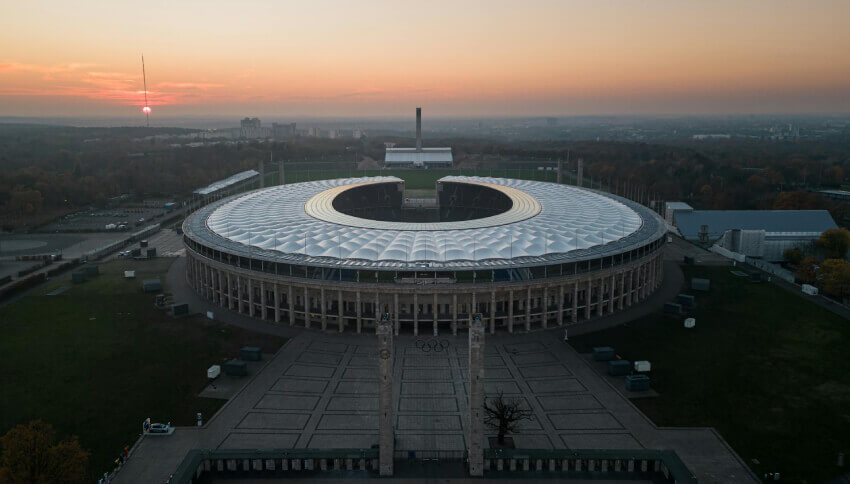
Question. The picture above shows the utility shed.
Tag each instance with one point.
(603, 353)
(151, 285)
(250, 353)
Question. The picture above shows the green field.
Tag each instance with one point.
(768, 369)
(99, 358)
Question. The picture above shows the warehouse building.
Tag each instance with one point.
(763, 234)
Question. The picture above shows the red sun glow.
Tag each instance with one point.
(146, 109)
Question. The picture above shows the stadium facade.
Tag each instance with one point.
(338, 254)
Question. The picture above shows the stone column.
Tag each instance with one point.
(384, 330)
(475, 437)
(510, 311)
(574, 315)
(239, 294)
(545, 308)
(492, 312)
(359, 313)
(229, 291)
(221, 289)
(611, 294)
(395, 313)
(631, 292)
(472, 310)
(435, 313)
(263, 302)
(561, 305)
(454, 314)
(415, 313)
(599, 305)
(250, 297)
(276, 303)
(324, 304)
(588, 298)
(340, 321)
(622, 295)
(528, 309)
(378, 309)
(290, 301)
(307, 309)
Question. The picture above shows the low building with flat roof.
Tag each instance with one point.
(737, 230)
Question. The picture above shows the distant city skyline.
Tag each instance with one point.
(475, 58)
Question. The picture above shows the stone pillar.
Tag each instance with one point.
(415, 313)
(378, 309)
(395, 313)
(622, 295)
(561, 305)
(359, 313)
(588, 298)
(250, 297)
(475, 437)
(324, 312)
(600, 297)
(229, 291)
(528, 309)
(492, 312)
(631, 292)
(239, 294)
(472, 310)
(510, 311)
(574, 315)
(611, 294)
(276, 303)
(340, 318)
(290, 301)
(545, 308)
(435, 314)
(220, 289)
(307, 309)
(263, 302)
(454, 314)
(384, 330)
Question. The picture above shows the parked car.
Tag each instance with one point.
(160, 428)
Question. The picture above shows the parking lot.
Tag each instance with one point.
(131, 218)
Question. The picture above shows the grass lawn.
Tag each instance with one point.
(99, 358)
(768, 369)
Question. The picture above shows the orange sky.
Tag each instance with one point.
(361, 58)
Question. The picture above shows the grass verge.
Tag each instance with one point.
(99, 358)
(768, 369)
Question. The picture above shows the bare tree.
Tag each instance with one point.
(504, 415)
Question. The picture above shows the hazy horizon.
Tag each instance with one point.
(379, 59)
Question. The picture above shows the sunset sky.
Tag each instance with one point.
(457, 58)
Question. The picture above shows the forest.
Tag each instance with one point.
(46, 171)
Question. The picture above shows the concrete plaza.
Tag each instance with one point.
(320, 391)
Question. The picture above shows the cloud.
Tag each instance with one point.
(200, 86)
(78, 79)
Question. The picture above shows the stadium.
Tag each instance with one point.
(338, 254)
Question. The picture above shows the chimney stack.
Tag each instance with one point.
(418, 129)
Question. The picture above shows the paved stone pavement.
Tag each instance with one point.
(320, 391)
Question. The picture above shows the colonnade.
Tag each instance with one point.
(433, 308)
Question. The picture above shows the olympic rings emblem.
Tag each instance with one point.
(434, 344)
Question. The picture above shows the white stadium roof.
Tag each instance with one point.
(423, 156)
(231, 180)
(297, 223)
